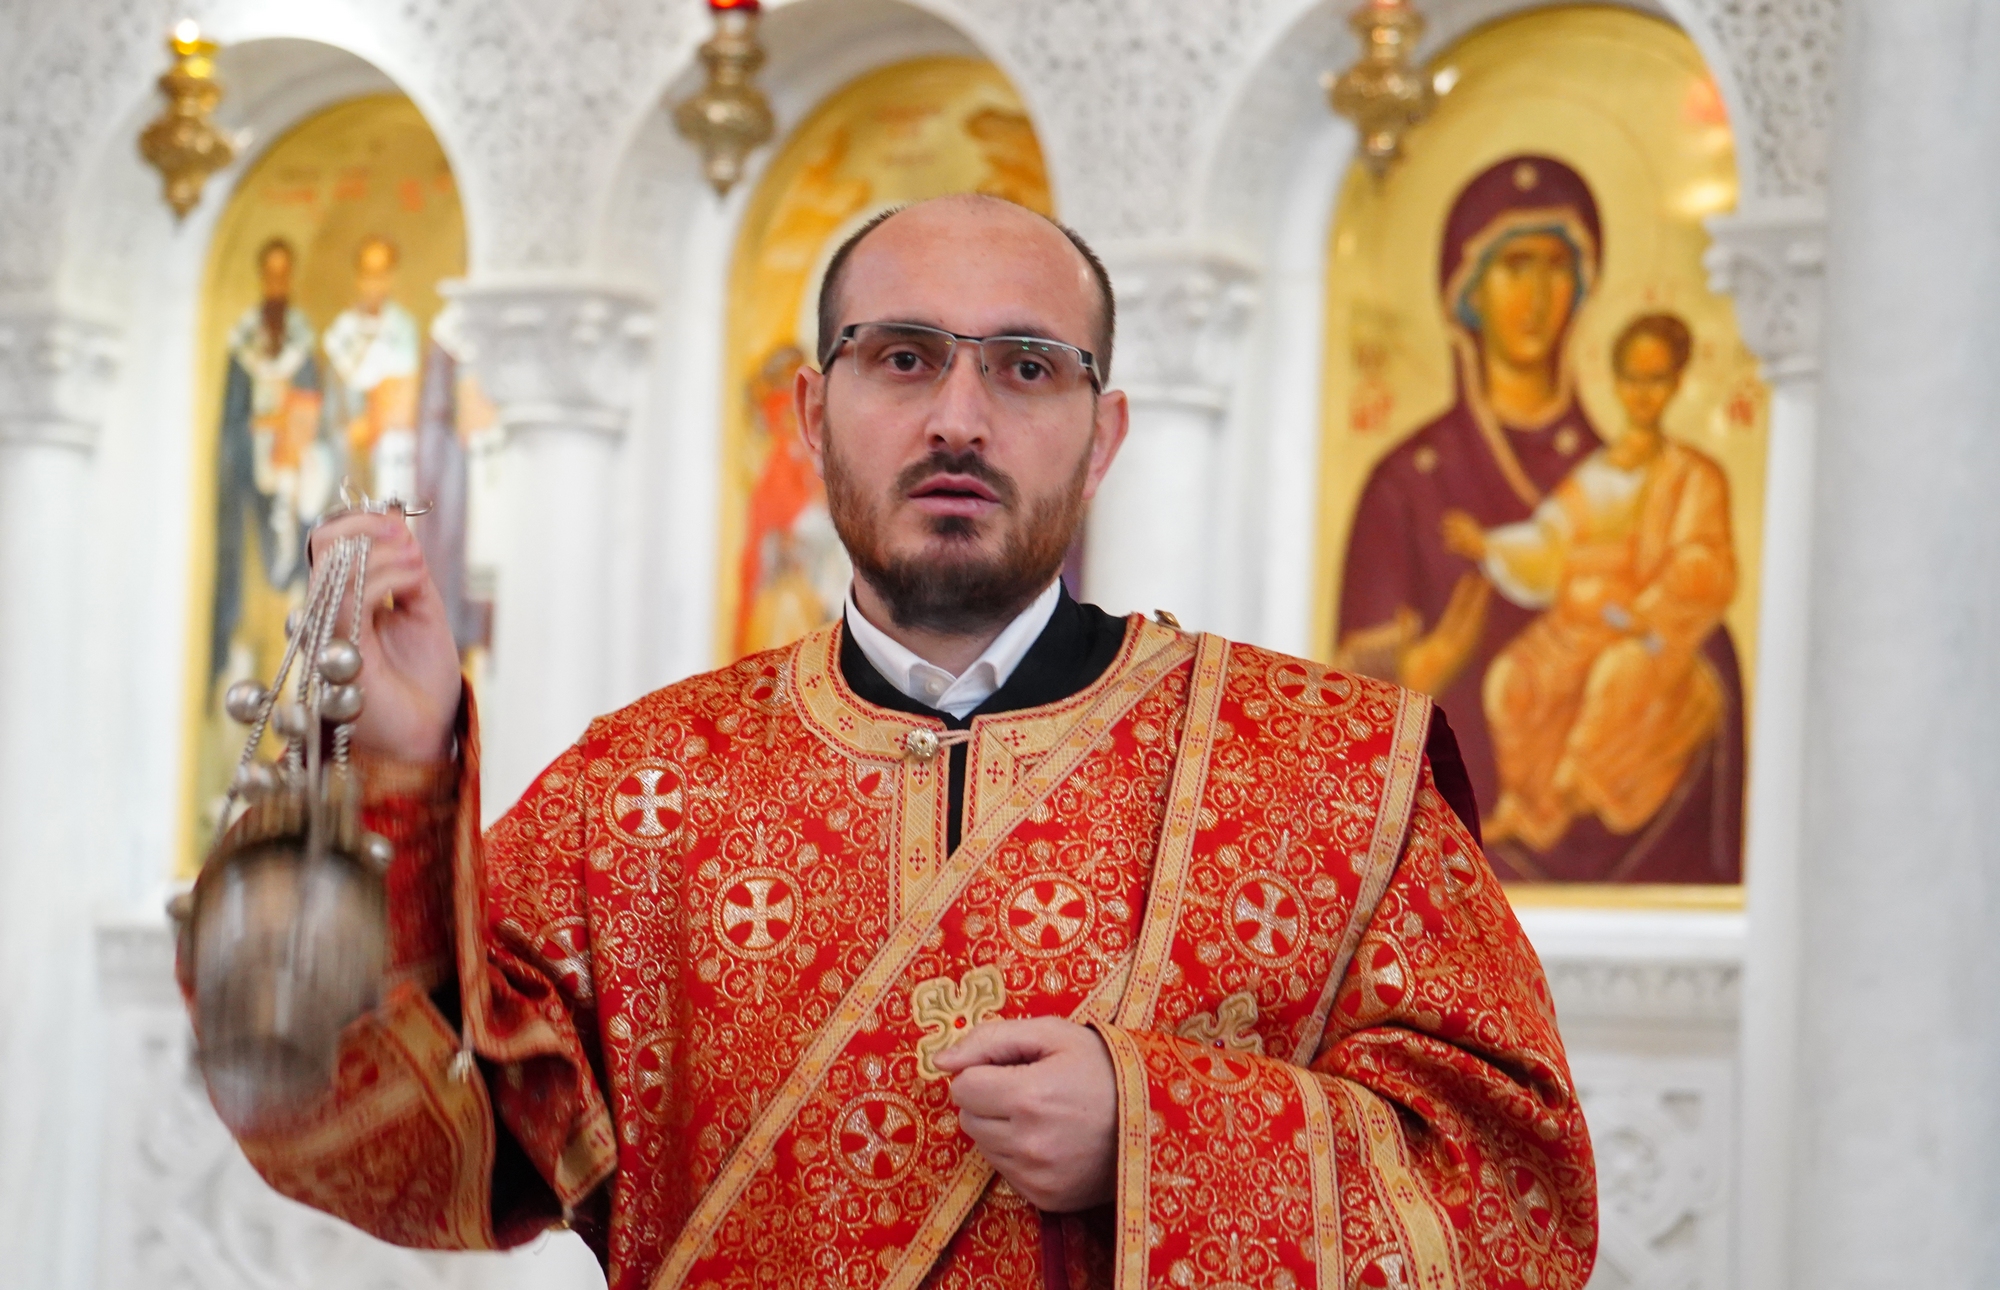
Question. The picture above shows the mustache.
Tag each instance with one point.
(968, 463)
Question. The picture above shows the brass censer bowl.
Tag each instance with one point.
(284, 940)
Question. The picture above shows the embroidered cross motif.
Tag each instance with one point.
(1232, 1027)
(757, 913)
(1310, 687)
(642, 810)
(1265, 914)
(1047, 914)
(947, 1009)
(877, 1135)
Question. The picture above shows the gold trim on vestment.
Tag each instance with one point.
(998, 745)
(969, 1182)
(1177, 834)
(412, 1047)
(825, 705)
(1400, 781)
(1132, 1208)
(1320, 1145)
(1424, 1226)
(1155, 938)
(590, 1155)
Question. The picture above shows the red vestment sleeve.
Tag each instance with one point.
(405, 1147)
(1433, 1141)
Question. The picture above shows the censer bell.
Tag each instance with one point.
(284, 938)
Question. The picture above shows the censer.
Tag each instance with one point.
(284, 939)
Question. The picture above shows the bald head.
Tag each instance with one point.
(1055, 269)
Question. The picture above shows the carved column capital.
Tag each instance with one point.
(1771, 257)
(57, 371)
(555, 355)
(1183, 313)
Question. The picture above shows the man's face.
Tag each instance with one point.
(960, 501)
(374, 277)
(1525, 297)
(274, 274)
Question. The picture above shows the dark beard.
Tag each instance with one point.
(960, 593)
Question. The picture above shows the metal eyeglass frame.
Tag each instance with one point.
(1088, 359)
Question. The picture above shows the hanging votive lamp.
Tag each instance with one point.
(730, 117)
(1385, 93)
(182, 142)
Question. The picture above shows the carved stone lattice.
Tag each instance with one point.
(1661, 1133)
(535, 102)
(56, 372)
(1127, 95)
(1598, 990)
(1771, 259)
(87, 62)
(559, 356)
(1781, 58)
(1182, 318)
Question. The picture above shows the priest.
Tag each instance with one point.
(978, 939)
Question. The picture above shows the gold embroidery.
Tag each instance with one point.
(1232, 1027)
(824, 706)
(1135, 1153)
(877, 1137)
(1320, 1146)
(1392, 826)
(754, 915)
(1266, 916)
(948, 1010)
(1425, 1231)
(919, 830)
(969, 1183)
(1177, 831)
(1047, 914)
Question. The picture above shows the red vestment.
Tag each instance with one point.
(704, 963)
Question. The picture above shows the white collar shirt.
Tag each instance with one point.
(934, 687)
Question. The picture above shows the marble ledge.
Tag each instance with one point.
(1641, 970)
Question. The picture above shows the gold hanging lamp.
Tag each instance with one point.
(1385, 93)
(730, 117)
(182, 142)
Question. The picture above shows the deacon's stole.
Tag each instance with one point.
(725, 922)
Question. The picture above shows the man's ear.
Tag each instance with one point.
(809, 406)
(1114, 420)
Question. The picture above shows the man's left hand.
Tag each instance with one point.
(1040, 1100)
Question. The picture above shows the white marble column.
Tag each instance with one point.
(1182, 315)
(561, 363)
(1896, 1179)
(56, 373)
(1771, 259)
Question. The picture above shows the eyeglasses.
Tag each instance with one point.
(910, 359)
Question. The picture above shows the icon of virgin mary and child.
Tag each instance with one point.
(1560, 595)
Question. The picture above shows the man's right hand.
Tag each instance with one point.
(409, 664)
